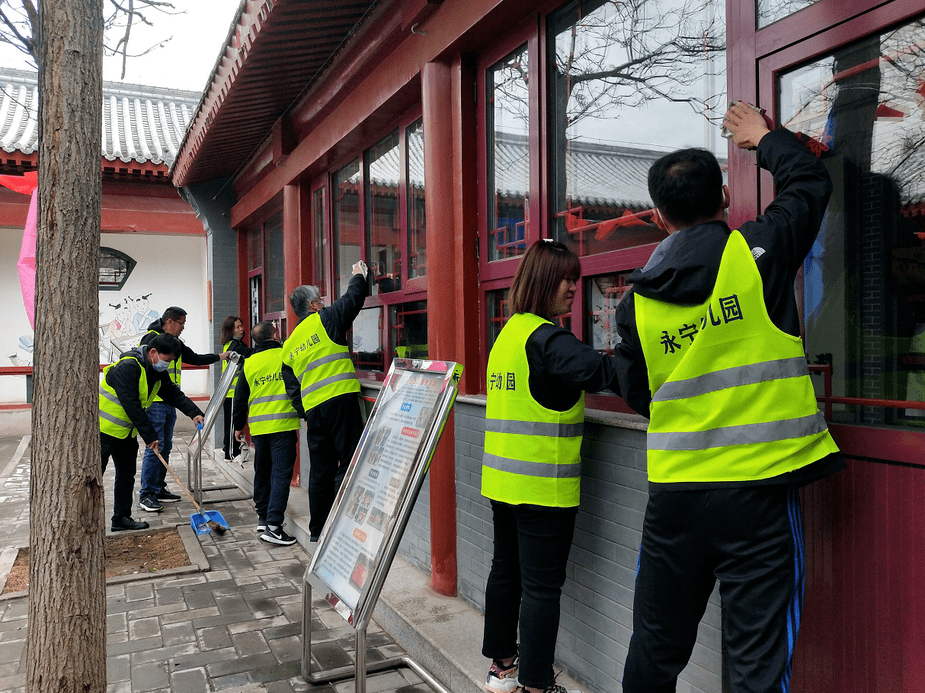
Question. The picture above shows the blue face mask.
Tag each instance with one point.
(161, 366)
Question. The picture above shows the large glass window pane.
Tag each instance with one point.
(409, 330)
(254, 249)
(382, 221)
(603, 294)
(417, 221)
(320, 241)
(508, 115)
(275, 265)
(768, 11)
(346, 219)
(860, 109)
(628, 82)
(366, 341)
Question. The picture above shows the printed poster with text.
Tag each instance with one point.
(404, 415)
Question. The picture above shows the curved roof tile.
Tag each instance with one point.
(141, 124)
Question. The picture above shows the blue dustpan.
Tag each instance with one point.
(200, 521)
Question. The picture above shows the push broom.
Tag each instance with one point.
(201, 521)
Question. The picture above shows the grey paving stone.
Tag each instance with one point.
(118, 668)
(214, 638)
(149, 677)
(191, 615)
(250, 643)
(204, 658)
(144, 628)
(12, 650)
(234, 604)
(137, 593)
(165, 654)
(189, 681)
(234, 681)
(116, 623)
(176, 633)
(240, 664)
(276, 672)
(130, 646)
(287, 649)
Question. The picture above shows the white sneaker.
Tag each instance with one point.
(502, 679)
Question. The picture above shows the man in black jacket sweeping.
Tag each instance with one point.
(711, 353)
(127, 388)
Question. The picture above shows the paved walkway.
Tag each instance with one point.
(234, 625)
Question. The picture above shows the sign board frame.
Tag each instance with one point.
(372, 508)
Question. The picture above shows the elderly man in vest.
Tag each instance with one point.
(127, 389)
(260, 401)
(163, 416)
(320, 378)
(711, 353)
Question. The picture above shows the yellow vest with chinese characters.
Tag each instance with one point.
(732, 399)
(323, 367)
(269, 409)
(532, 454)
(113, 419)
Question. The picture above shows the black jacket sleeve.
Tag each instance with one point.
(631, 362)
(561, 367)
(194, 359)
(339, 316)
(123, 378)
(293, 389)
(242, 394)
(173, 396)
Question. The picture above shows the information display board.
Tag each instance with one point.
(364, 528)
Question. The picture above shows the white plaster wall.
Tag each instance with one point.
(172, 270)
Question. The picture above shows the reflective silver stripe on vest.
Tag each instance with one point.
(739, 435)
(327, 381)
(323, 360)
(110, 396)
(272, 417)
(112, 419)
(732, 377)
(537, 469)
(269, 398)
(534, 428)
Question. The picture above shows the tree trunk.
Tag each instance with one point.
(66, 647)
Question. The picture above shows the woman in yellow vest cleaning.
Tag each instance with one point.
(538, 373)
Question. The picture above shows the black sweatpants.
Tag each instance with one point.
(333, 431)
(751, 540)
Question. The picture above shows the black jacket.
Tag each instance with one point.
(683, 267)
(124, 380)
(189, 356)
(242, 391)
(337, 319)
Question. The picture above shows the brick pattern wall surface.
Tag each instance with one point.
(597, 599)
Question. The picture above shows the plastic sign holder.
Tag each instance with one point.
(359, 541)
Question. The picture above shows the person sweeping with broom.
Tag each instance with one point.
(127, 388)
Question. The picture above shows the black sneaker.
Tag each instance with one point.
(261, 526)
(167, 497)
(126, 523)
(149, 503)
(276, 535)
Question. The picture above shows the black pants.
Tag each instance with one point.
(274, 460)
(228, 432)
(751, 540)
(531, 551)
(124, 453)
(333, 433)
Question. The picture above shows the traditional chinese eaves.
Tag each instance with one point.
(275, 50)
(142, 126)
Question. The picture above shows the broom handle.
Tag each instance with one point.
(177, 479)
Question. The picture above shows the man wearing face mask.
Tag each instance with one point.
(127, 389)
(163, 416)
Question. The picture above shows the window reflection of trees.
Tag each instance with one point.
(769, 11)
(612, 61)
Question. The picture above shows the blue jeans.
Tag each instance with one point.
(163, 418)
(531, 551)
(274, 460)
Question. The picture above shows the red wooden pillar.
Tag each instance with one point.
(437, 103)
(296, 225)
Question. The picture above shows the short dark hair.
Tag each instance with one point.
(165, 343)
(173, 313)
(263, 331)
(228, 328)
(686, 186)
(541, 270)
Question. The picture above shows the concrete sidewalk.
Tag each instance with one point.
(235, 623)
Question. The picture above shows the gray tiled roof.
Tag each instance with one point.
(141, 124)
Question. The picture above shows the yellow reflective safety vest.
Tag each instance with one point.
(235, 380)
(113, 419)
(269, 409)
(174, 371)
(732, 399)
(532, 454)
(322, 366)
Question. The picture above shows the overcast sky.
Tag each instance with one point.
(196, 39)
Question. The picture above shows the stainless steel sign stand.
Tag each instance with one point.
(366, 524)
